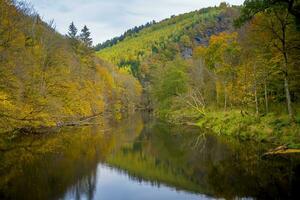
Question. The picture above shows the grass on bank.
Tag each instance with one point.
(276, 129)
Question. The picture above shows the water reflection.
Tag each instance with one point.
(136, 160)
(116, 184)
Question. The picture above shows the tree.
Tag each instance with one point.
(171, 83)
(252, 7)
(72, 31)
(283, 39)
(85, 36)
(222, 56)
(281, 44)
(185, 41)
(279, 23)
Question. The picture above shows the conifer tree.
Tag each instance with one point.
(72, 31)
(85, 36)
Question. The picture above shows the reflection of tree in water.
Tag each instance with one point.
(45, 166)
(180, 157)
(199, 162)
(86, 186)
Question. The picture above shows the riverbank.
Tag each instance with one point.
(42, 127)
(270, 128)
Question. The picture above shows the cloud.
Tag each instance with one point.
(109, 18)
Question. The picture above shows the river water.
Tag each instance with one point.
(140, 158)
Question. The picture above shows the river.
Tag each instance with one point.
(141, 158)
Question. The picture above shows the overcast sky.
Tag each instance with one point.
(109, 18)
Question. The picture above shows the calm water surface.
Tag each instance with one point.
(140, 158)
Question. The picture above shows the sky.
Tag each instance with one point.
(109, 18)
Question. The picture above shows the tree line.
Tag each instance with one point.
(129, 33)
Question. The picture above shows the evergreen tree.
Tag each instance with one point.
(72, 31)
(85, 36)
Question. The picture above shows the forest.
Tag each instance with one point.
(47, 79)
(231, 69)
(199, 105)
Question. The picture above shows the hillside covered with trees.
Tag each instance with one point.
(47, 79)
(201, 105)
(231, 69)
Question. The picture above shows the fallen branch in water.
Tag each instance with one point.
(81, 122)
(44, 129)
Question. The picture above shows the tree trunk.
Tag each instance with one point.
(256, 102)
(285, 70)
(288, 97)
(266, 97)
(225, 97)
(286, 84)
(218, 92)
(255, 91)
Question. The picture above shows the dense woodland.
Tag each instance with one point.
(129, 33)
(47, 79)
(232, 69)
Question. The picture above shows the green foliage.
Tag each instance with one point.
(171, 83)
(243, 69)
(189, 65)
(136, 48)
(271, 128)
(152, 52)
(129, 33)
(185, 41)
(253, 7)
